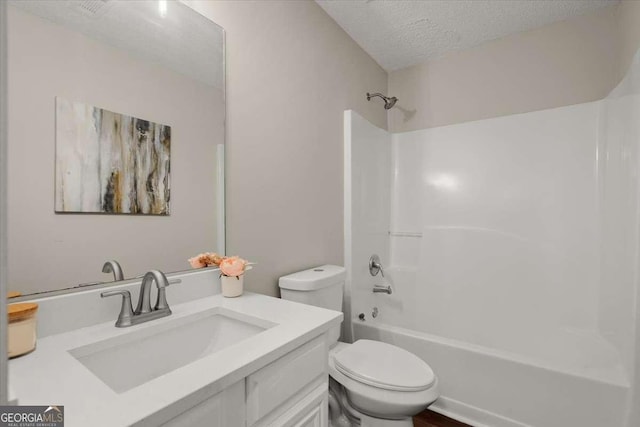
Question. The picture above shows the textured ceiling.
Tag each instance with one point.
(181, 40)
(400, 33)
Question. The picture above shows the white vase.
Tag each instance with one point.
(232, 286)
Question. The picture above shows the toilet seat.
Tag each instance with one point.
(384, 366)
(377, 401)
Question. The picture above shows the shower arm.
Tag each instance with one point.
(389, 102)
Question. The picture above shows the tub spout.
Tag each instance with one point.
(377, 289)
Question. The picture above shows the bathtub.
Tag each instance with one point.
(486, 387)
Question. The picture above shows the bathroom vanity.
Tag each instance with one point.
(247, 361)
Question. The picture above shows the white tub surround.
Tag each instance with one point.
(234, 386)
(511, 245)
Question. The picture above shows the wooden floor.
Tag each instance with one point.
(433, 419)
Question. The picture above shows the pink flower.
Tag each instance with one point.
(207, 259)
(233, 266)
(213, 259)
(198, 261)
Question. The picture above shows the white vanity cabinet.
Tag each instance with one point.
(277, 375)
(289, 392)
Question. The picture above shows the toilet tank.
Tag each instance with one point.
(320, 286)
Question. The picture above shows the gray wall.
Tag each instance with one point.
(291, 73)
(569, 62)
(564, 63)
(628, 28)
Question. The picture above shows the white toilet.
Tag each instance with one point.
(373, 384)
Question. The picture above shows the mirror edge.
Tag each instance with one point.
(4, 398)
(221, 166)
(71, 290)
(222, 148)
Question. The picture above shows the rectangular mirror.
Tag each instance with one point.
(116, 113)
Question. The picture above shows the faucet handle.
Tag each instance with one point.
(126, 311)
(161, 301)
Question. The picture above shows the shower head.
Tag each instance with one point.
(388, 102)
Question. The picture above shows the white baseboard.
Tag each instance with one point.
(471, 415)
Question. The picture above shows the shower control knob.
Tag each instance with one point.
(361, 316)
(375, 266)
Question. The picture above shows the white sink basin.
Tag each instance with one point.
(134, 358)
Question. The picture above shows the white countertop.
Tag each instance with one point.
(52, 376)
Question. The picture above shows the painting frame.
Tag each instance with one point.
(110, 163)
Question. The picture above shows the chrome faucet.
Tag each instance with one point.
(143, 312)
(114, 267)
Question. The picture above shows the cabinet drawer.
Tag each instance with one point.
(281, 380)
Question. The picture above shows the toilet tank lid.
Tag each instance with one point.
(314, 278)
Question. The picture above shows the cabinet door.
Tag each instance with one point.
(285, 380)
(315, 418)
(311, 411)
(225, 409)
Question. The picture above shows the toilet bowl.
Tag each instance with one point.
(382, 381)
(373, 384)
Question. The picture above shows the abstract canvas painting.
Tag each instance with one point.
(111, 163)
